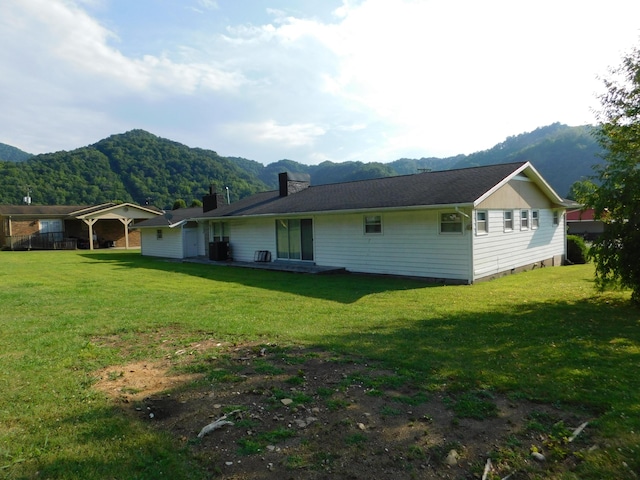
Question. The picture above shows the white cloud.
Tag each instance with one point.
(293, 135)
(376, 81)
(209, 4)
(450, 71)
(70, 39)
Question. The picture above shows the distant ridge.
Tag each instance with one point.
(561, 154)
(140, 167)
(12, 154)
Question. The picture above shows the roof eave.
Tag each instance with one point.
(345, 211)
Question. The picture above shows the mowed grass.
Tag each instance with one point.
(544, 335)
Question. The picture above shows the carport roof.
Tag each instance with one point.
(66, 211)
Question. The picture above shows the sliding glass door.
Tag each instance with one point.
(295, 239)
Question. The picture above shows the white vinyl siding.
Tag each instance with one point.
(248, 235)
(174, 242)
(501, 251)
(169, 246)
(411, 245)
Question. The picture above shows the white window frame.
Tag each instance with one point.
(219, 231)
(484, 222)
(535, 219)
(556, 218)
(524, 219)
(451, 218)
(372, 224)
(505, 220)
(159, 234)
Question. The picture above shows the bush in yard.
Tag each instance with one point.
(616, 201)
(577, 251)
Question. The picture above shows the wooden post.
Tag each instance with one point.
(90, 222)
(126, 222)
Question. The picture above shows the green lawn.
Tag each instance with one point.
(544, 335)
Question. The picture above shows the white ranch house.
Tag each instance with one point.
(457, 226)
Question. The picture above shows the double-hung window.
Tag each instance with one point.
(524, 219)
(451, 222)
(535, 219)
(508, 220)
(372, 224)
(482, 226)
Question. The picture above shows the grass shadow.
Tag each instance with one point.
(343, 288)
(584, 353)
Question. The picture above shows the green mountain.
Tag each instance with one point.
(561, 154)
(12, 154)
(140, 167)
(135, 167)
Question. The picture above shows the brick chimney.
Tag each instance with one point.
(212, 200)
(291, 183)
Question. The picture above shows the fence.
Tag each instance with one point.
(41, 241)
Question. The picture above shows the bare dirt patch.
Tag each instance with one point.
(309, 414)
(139, 380)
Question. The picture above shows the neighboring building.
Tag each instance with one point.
(51, 227)
(173, 235)
(584, 224)
(458, 226)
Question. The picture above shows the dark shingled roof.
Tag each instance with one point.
(40, 210)
(171, 217)
(448, 187)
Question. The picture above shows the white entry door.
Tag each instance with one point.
(190, 242)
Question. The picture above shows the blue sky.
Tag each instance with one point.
(306, 80)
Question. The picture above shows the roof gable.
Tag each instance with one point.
(528, 172)
(117, 210)
(171, 218)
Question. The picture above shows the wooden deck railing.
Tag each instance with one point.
(41, 241)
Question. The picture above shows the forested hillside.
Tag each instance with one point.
(12, 154)
(560, 153)
(140, 167)
(135, 166)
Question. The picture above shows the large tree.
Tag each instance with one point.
(617, 199)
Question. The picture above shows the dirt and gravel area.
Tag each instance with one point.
(300, 413)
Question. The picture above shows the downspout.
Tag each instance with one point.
(564, 232)
(10, 233)
(471, 238)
